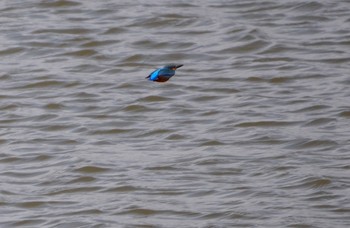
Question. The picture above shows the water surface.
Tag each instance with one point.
(253, 131)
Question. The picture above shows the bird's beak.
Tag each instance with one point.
(178, 66)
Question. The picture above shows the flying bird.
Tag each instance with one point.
(163, 74)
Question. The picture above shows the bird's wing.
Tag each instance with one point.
(165, 72)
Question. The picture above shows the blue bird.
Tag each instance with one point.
(163, 74)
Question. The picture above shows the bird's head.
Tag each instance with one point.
(173, 66)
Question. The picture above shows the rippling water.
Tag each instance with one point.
(253, 131)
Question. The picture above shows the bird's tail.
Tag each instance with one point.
(148, 76)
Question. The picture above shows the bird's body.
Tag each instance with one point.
(163, 74)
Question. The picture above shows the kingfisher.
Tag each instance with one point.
(163, 74)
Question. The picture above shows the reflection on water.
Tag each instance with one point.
(252, 131)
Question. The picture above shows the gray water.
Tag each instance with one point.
(253, 131)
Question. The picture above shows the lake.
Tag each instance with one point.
(253, 130)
